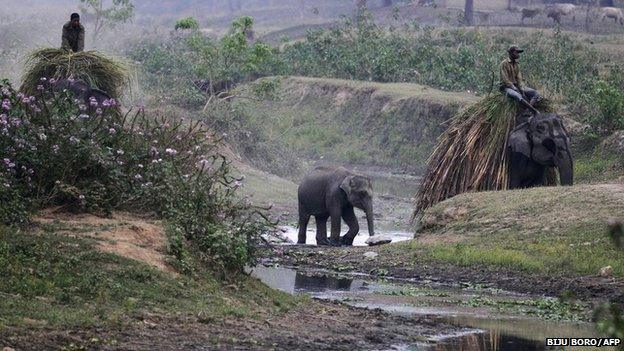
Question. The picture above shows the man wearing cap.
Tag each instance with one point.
(73, 34)
(511, 80)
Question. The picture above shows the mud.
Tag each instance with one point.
(588, 288)
(311, 326)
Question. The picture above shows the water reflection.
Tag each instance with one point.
(485, 332)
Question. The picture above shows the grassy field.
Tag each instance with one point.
(64, 281)
(554, 230)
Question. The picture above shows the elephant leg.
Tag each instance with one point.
(334, 239)
(349, 217)
(303, 227)
(321, 230)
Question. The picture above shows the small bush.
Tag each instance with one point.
(187, 23)
(55, 153)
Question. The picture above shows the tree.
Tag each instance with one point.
(119, 11)
(469, 12)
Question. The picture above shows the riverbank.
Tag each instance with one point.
(549, 241)
(80, 282)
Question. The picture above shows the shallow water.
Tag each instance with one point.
(291, 233)
(486, 329)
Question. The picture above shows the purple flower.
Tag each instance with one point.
(43, 79)
(55, 149)
(40, 87)
(73, 140)
(171, 152)
(82, 107)
(4, 120)
(8, 163)
(52, 81)
(93, 102)
(84, 116)
(112, 131)
(6, 104)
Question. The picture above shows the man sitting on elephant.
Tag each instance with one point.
(511, 81)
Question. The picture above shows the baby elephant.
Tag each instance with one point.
(332, 192)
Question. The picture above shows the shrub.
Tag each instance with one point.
(55, 153)
(187, 23)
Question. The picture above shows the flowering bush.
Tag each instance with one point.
(57, 152)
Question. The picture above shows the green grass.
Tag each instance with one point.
(61, 281)
(598, 166)
(551, 231)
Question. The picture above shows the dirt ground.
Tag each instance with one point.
(312, 326)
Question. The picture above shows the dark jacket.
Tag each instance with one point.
(73, 37)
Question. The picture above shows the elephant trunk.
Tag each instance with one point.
(369, 219)
(566, 168)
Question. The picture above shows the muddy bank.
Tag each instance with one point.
(394, 264)
(312, 326)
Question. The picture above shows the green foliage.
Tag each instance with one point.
(119, 11)
(58, 153)
(187, 23)
(606, 103)
(610, 316)
(171, 65)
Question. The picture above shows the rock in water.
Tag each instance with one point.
(371, 254)
(378, 240)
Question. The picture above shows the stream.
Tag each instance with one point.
(484, 325)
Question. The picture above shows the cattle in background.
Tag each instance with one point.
(612, 12)
(557, 11)
(529, 13)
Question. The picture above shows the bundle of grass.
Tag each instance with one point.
(95, 68)
(471, 153)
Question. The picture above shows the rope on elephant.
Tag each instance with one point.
(471, 154)
(95, 68)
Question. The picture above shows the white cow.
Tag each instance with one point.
(612, 12)
(557, 10)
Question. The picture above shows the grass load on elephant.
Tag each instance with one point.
(89, 73)
(495, 145)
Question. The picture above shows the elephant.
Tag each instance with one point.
(534, 147)
(82, 91)
(333, 192)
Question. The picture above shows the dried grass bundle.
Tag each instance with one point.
(95, 68)
(471, 154)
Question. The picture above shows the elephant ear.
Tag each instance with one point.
(519, 141)
(347, 184)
